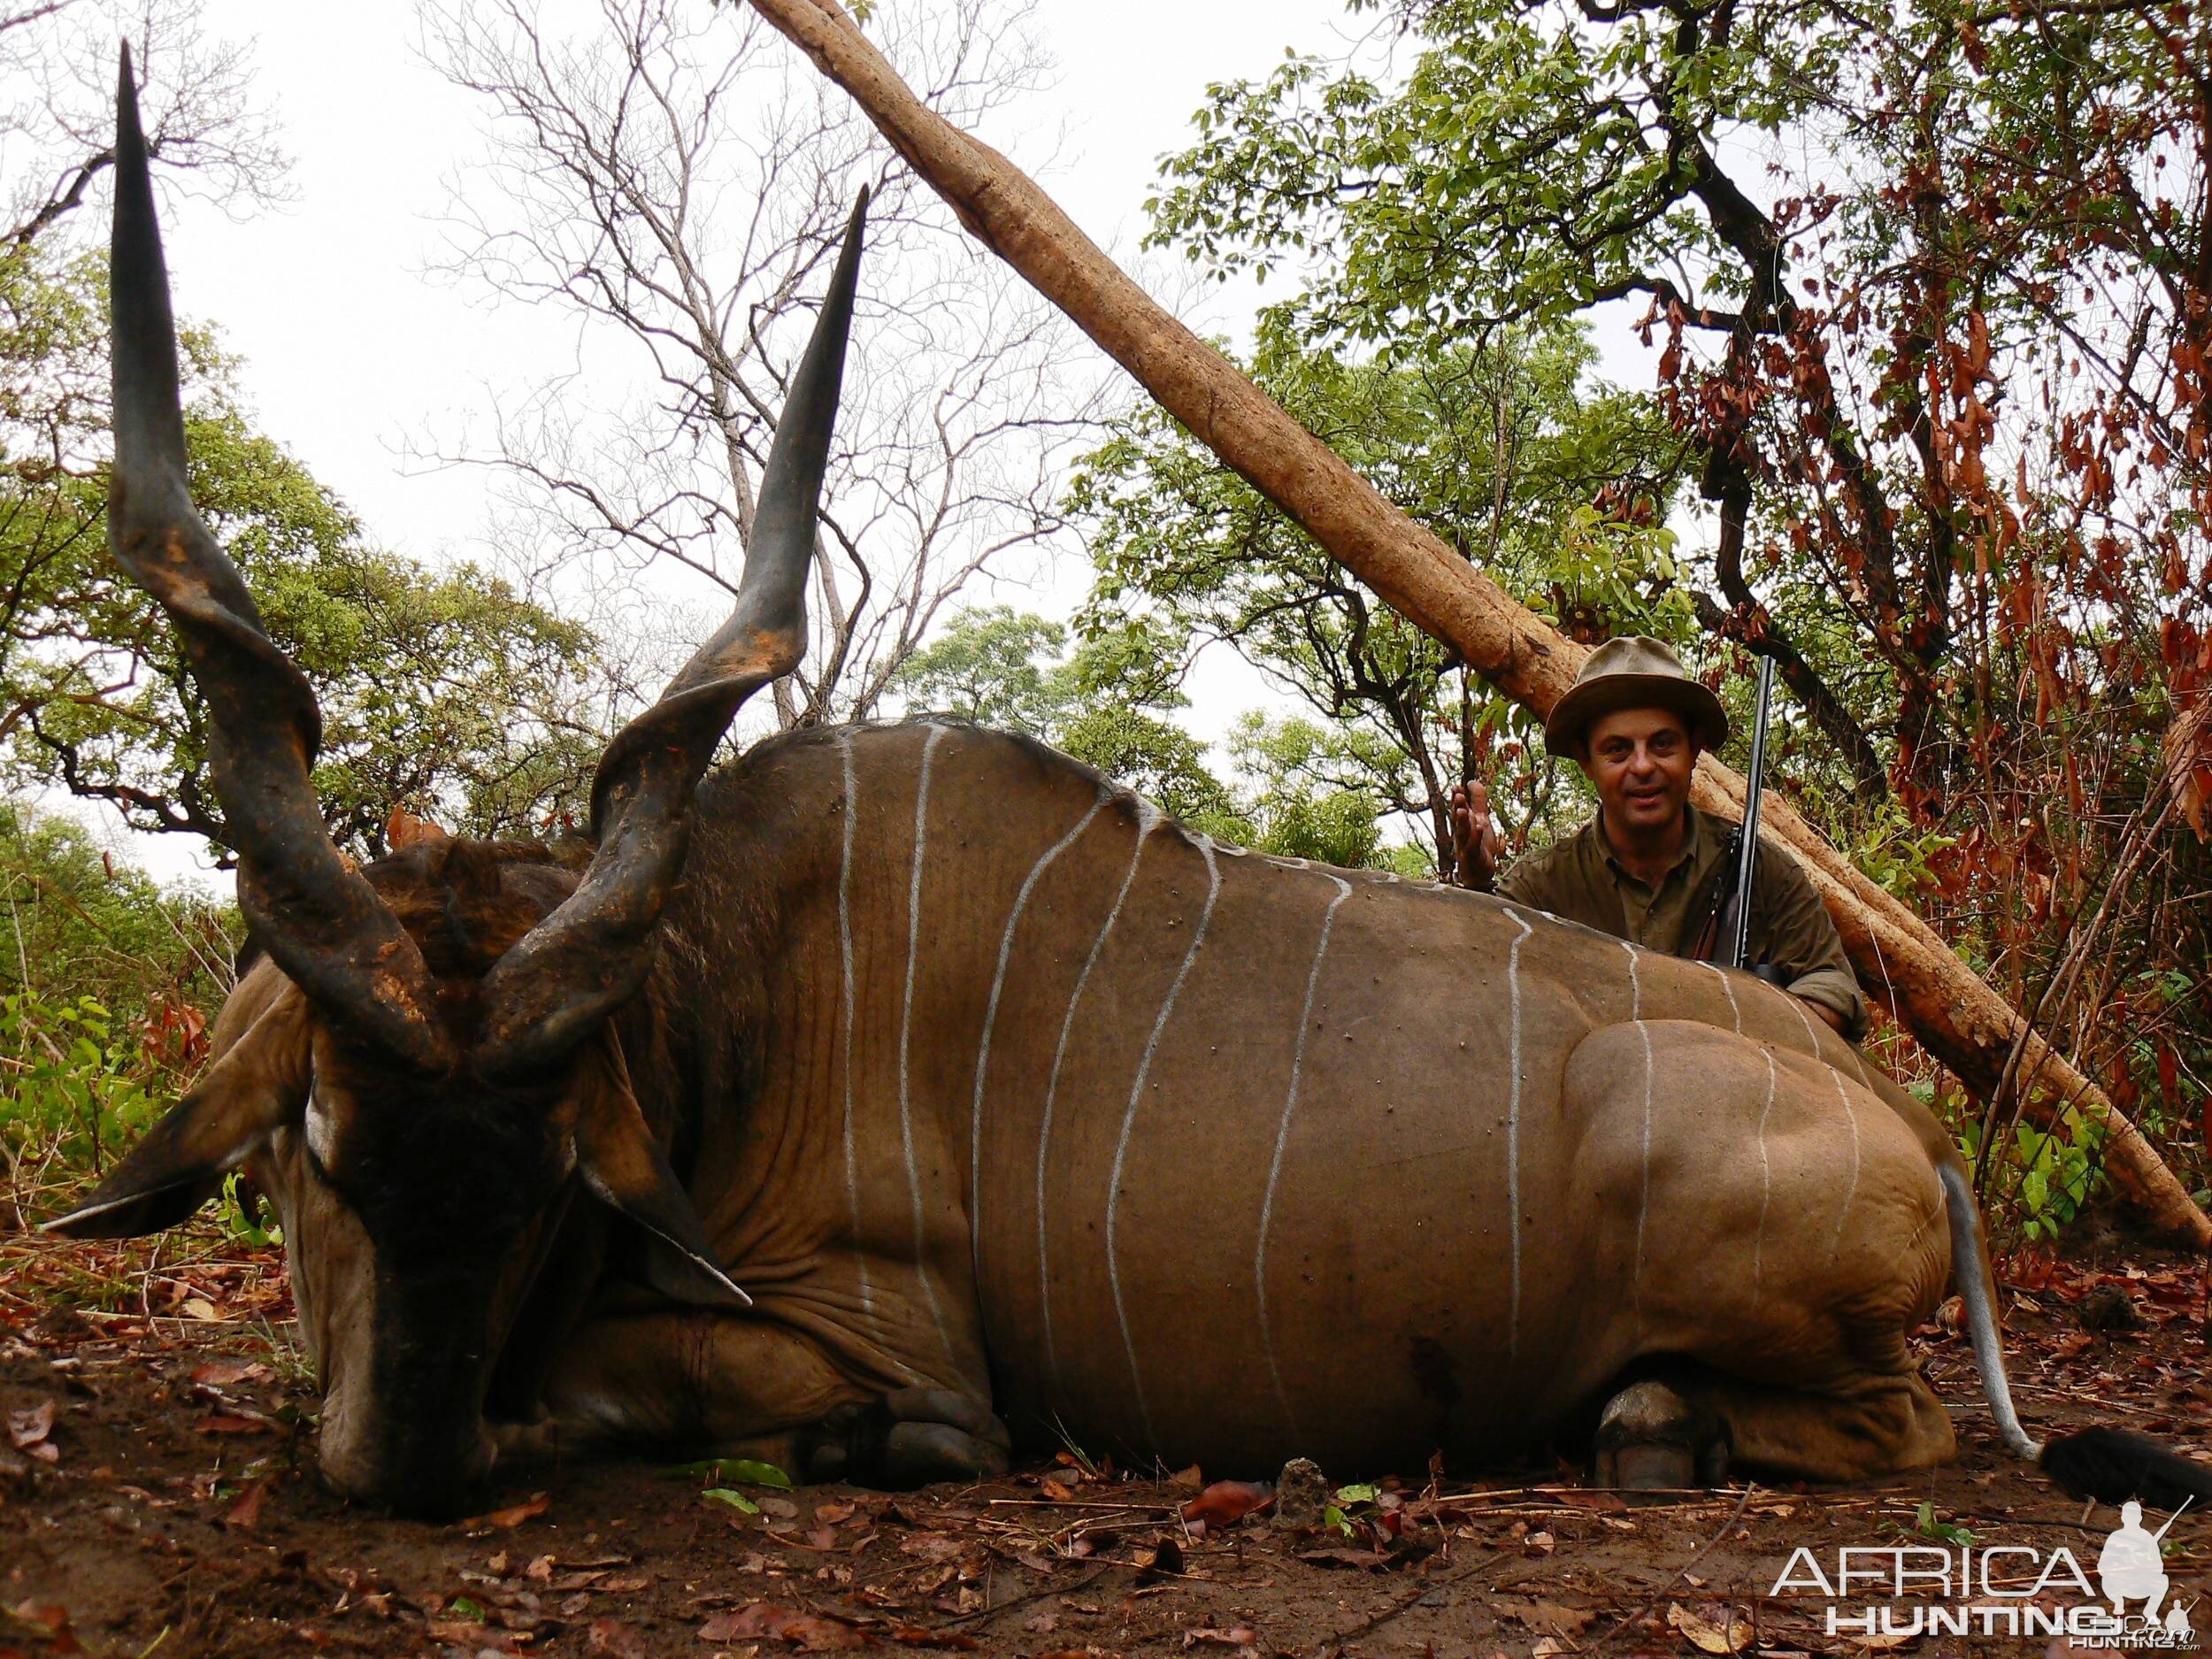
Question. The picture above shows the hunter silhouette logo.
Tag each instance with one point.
(1894, 1591)
(2131, 1568)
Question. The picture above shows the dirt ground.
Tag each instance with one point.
(155, 1498)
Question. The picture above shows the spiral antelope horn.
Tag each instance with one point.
(589, 956)
(309, 908)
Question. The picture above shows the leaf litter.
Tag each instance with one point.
(184, 1455)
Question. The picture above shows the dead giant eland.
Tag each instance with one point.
(1007, 1099)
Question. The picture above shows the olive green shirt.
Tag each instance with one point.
(1581, 879)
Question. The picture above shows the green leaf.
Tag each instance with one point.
(735, 1500)
(742, 1470)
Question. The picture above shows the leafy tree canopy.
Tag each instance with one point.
(444, 691)
(1930, 284)
(1553, 485)
(1297, 789)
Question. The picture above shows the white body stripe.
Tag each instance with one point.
(1635, 984)
(1129, 1123)
(1851, 1192)
(845, 1004)
(1797, 1007)
(1282, 1140)
(906, 1032)
(1734, 1011)
(990, 1019)
(1643, 1202)
(1513, 1127)
(1766, 1179)
(1145, 825)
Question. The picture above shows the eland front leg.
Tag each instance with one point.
(730, 1384)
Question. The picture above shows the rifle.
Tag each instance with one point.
(1734, 914)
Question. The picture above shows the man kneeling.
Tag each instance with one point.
(1649, 867)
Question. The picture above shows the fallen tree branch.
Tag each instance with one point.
(1956, 1017)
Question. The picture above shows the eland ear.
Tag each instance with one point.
(624, 1167)
(257, 1086)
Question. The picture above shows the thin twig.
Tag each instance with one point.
(1351, 1633)
(1727, 1526)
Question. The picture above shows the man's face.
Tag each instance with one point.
(1641, 760)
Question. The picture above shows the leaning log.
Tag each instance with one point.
(1922, 983)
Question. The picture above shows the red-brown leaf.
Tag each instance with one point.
(245, 1514)
(515, 1515)
(51, 1617)
(227, 1373)
(614, 1637)
(1225, 1502)
(765, 1620)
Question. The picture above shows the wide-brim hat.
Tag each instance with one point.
(1633, 672)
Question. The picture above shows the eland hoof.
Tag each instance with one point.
(910, 1438)
(1650, 1439)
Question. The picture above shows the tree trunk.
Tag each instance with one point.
(1954, 1014)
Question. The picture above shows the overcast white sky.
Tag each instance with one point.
(349, 348)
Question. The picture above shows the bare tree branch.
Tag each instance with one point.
(672, 182)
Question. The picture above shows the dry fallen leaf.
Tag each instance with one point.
(1730, 1636)
(1055, 1491)
(765, 1620)
(1226, 1503)
(921, 1636)
(223, 1423)
(1235, 1636)
(245, 1514)
(614, 1637)
(1538, 1544)
(228, 1373)
(28, 1427)
(1879, 1644)
(1163, 1554)
(49, 1623)
(1347, 1555)
(1550, 1616)
(537, 1503)
(931, 1547)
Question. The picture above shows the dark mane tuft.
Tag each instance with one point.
(467, 903)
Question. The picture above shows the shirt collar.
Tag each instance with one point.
(1691, 823)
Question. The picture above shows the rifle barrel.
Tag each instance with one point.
(1755, 784)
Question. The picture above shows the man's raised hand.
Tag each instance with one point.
(1475, 839)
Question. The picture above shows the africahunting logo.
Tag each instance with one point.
(1884, 1595)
